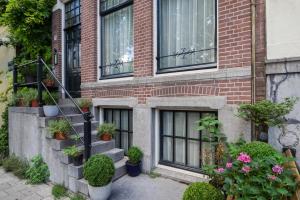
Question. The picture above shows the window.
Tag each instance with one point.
(117, 38)
(122, 118)
(181, 145)
(186, 34)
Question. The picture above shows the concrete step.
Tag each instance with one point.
(115, 154)
(102, 146)
(67, 110)
(79, 127)
(81, 185)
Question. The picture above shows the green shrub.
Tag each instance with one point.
(205, 191)
(59, 126)
(99, 170)
(72, 151)
(47, 98)
(32, 94)
(135, 155)
(4, 134)
(107, 128)
(59, 191)
(77, 197)
(9, 163)
(259, 150)
(38, 171)
(16, 165)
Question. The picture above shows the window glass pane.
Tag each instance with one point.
(116, 118)
(187, 32)
(180, 124)
(180, 151)
(193, 118)
(124, 139)
(193, 153)
(124, 116)
(107, 4)
(117, 139)
(118, 42)
(130, 120)
(168, 149)
(167, 123)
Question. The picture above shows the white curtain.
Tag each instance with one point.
(193, 146)
(187, 25)
(124, 126)
(118, 41)
(168, 130)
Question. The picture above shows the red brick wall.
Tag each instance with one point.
(57, 40)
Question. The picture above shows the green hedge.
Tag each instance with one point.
(202, 191)
(259, 150)
(4, 134)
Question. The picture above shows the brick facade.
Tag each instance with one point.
(57, 41)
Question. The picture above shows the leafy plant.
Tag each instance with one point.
(22, 96)
(197, 191)
(4, 134)
(61, 125)
(47, 98)
(106, 128)
(72, 151)
(211, 126)
(16, 165)
(99, 170)
(85, 103)
(32, 94)
(77, 197)
(38, 171)
(135, 155)
(59, 191)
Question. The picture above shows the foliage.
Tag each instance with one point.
(267, 113)
(32, 94)
(234, 148)
(29, 26)
(22, 96)
(72, 151)
(4, 134)
(77, 197)
(211, 126)
(197, 191)
(59, 191)
(59, 126)
(247, 178)
(153, 174)
(135, 155)
(99, 170)
(106, 128)
(47, 98)
(16, 165)
(38, 171)
(85, 103)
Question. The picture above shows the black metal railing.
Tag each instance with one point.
(41, 66)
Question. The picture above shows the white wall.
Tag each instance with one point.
(283, 28)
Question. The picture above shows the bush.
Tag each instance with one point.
(99, 170)
(107, 128)
(77, 197)
(259, 150)
(16, 165)
(135, 155)
(72, 151)
(59, 191)
(4, 134)
(59, 126)
(38, 171)
(47, 98)
(198, 191)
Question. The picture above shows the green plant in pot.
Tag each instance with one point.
(49, 81)
(32, 97)
(99, 171)
(59, 129)
(265, 114)
(75, 153)
(106, 131)
(85, 104)
(21, 97)
(134, 164)
(50, 109)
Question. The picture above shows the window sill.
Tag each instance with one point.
(116, 76)
(187, 68)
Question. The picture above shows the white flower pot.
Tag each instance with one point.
(50, 111)
(100, 193)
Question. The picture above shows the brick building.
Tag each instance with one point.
(156, 67)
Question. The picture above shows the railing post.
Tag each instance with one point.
(87, 135)
(39, 80)
(15, 79)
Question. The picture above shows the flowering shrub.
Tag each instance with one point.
(263, 179)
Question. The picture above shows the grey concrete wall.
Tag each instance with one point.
(283, 80)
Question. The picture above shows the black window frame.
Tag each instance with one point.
(161, 137)
(209, 65)
(102, 29)
(129, 132)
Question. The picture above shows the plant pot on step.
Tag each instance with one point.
(77, 160)
(134, 170)
(100, 193)
(60, 136)
(106, 137)
(34, 103)
(85, 109)
(50, 110)
(49, 83)
(21, 103)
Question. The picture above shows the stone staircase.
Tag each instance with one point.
(76, 182)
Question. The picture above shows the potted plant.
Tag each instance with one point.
(32, 97)
(49, 81)
(265, 114)
(134, 164)
(85, 104)
(75, 153)
(59, 129)
(99, 171)
(21, 97)
(106, 131)
(50, 108)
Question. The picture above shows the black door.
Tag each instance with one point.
(73, 53)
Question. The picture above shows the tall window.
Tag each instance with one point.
(122, 118)
(182, 145)
(117, 38)
(187, 34)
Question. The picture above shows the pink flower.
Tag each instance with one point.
(272, 177)
(220, 170)
(228, 165)
(245, 158)
(246, 169)
(277, 169)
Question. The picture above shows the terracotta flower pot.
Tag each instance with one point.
(34, 103)
(60, 136)
(106, 137)
(230, 198)
(49, 82)
(85, 109)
